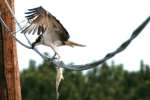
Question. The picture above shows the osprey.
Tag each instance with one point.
(51, 32)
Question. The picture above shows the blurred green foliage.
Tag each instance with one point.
(106, 82)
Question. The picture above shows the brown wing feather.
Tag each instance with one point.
(40, 20)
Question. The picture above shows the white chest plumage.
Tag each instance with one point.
(51, 38)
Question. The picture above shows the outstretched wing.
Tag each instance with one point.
(40, 20)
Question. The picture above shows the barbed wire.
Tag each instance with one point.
(56, 62)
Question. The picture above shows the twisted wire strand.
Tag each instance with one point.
(122, 47)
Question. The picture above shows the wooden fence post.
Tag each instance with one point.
(10, 81)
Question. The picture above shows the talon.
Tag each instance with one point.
(54, 56)
(58, 56)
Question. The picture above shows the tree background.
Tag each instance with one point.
(106, 82)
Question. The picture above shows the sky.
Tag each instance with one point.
(102, 25)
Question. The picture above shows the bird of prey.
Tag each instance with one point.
(51, 32)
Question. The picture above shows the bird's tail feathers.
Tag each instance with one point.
(72, 44)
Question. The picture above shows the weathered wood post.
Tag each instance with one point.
(9, 71)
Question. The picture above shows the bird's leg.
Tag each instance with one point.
(55, 51)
